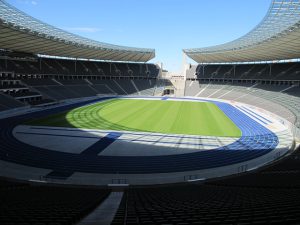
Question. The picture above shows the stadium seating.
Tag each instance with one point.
(49, 66)
(253, 198)
(82, 88)
(7, 102)
(44, 80)
(209, 204)
(39, 82)
(276, 71)
(282, 174)
(26, 204)
(145, 87)
(269, 196)
(280, 99)
(264, 185)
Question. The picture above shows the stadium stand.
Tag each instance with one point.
(273, 71)
(39, 82)
(25, 203)
(49, 66)
(209, 204)
(282, 174)
(44, 80)
(145, 87)
(268, 196)
(265, 91)
(8, 102)
(282, 103)
(258, 197)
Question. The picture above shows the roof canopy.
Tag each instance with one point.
(276, 37)
(23, 33)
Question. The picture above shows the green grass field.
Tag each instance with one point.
(171, 117)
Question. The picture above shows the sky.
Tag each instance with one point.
(168, 26)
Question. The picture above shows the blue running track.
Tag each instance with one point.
(256, 140)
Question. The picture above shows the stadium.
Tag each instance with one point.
(94, 133)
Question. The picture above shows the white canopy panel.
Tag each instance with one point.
(23, 33)
(276, 37)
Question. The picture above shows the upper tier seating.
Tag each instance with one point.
(276, 71)
(79, 67)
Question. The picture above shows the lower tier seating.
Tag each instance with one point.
(282, 100)
(209, 204)
(60, 89)
(46, 205)
(73, 88)
(269, 196)
(283, 174)
(7, 102)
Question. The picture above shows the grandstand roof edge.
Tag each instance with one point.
(16, 24)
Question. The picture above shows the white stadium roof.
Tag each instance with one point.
(276, 37)
(23, 33)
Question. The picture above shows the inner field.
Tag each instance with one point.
(170, 117)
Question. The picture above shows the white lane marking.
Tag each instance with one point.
(74, 140)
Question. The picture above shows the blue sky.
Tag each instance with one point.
(166, 25)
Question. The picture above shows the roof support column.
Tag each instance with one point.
(234, 70)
